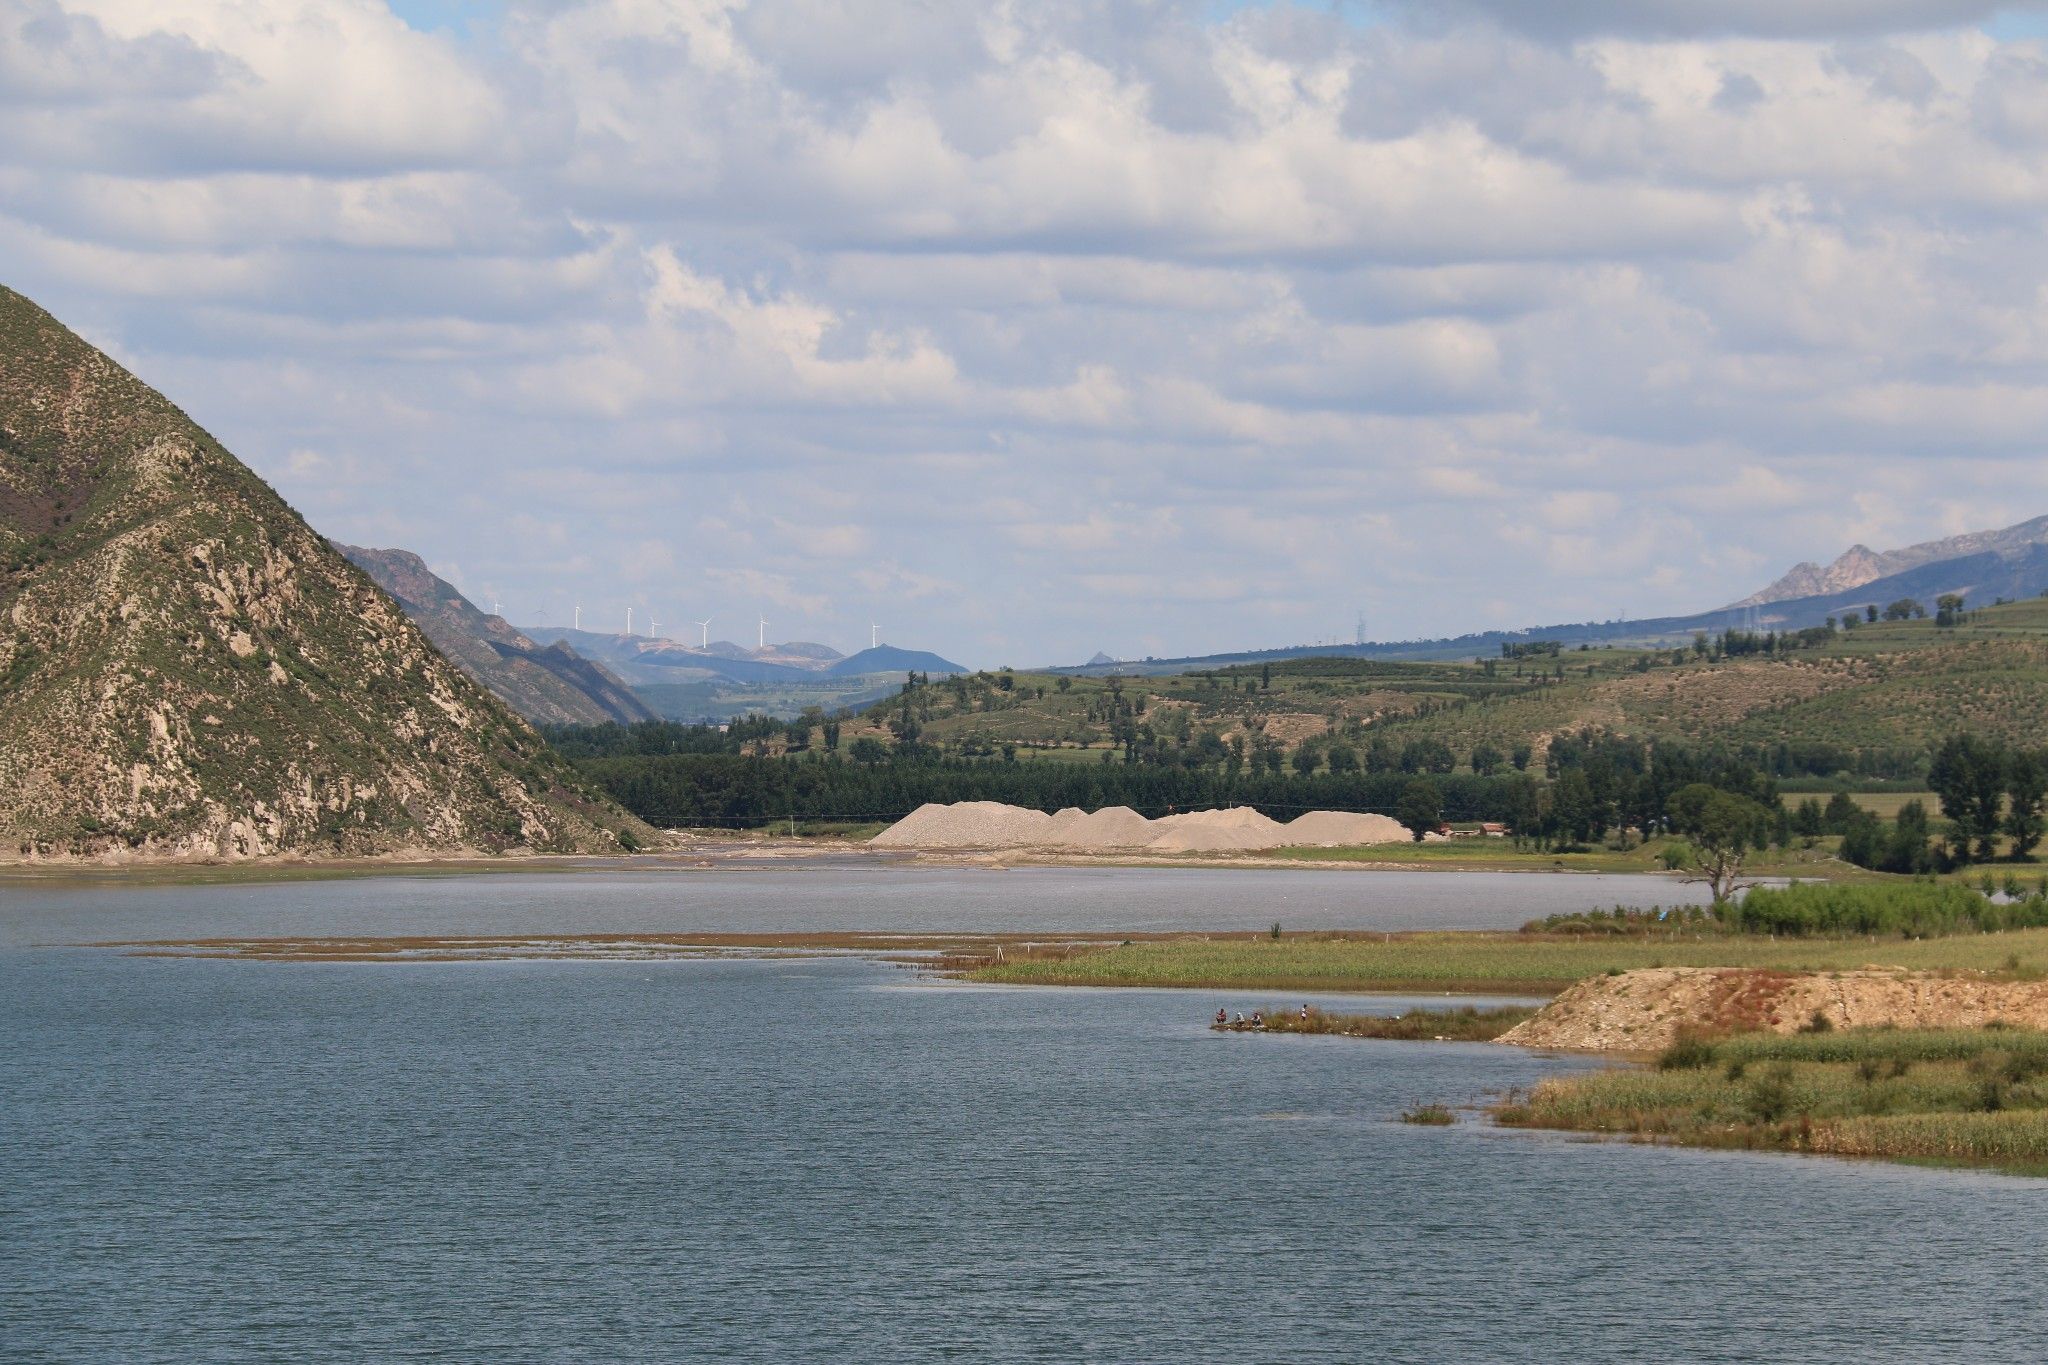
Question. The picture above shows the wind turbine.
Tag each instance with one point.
(579, 616)
(653, 626)
(497, 607)
(762, 642)
(704, 632)
(874, 635)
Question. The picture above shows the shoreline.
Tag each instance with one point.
(698, 852)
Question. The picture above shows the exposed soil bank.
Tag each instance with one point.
(1644, 1010)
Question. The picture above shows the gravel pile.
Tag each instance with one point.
(966, 824)
(1110, 827)
(1341, 829)
(991, 824)
(1240, 830)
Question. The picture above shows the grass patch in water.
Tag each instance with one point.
(1465, 1024)
(1973, 1096)
(1430, 1115)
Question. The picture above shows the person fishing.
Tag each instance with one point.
(1222, 1018)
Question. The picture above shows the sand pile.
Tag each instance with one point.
(966, 824)
(1239, 830)
(990, 824)
(1340, 829)
(1110, 827)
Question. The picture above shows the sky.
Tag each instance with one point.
(1027, 330)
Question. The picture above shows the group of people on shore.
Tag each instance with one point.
(1225, 1020)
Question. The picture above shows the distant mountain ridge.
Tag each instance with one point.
(644, 661)
(2013, 563)
(549, 685)
(191, 671)
(1859, 564)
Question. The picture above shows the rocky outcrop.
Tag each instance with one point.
(188, 670)
(1860, 564)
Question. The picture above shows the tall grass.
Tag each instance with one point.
(1973, 1095)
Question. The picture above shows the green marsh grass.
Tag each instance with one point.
(1480, 962)
(1950, 1094)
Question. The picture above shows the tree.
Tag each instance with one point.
(1421, 808)
(1486, 758)
(1842, 812)
(1808, 822)
(1969, 775)
(1870, 613)
(1343, 759)
(1905, 609)
(2026, 787)
(868, 749)
(1521, 756)
(1574, 809)
(1723, 828)
(1304, 760)
(1266, 678)
(1948, 609)
(1063, 683)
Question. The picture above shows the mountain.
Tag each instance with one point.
(2010, 563)
(889, 659)
(189, 670)
(644, 662)
(647, 662)
(551, 685)
(1099, 660)
(1860, 564)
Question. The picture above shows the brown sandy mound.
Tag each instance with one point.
(1237, 830)
(1642, 1011)
(1337, 829)
(965, 824)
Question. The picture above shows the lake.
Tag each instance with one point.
(841, 1160)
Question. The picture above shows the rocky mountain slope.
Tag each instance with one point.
(187, 669)
(1860, 564)
(549, 685)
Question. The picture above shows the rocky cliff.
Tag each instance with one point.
(187, 669)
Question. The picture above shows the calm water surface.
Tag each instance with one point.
(720, 1160)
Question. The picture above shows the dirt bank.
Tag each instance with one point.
(1642, 1011)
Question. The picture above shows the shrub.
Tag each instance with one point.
(1688, 1052)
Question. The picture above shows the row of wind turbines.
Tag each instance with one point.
(703, 626)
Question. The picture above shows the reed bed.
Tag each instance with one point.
(1465, 1024)
(1950, 1094)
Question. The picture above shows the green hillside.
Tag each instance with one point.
(1869, 699)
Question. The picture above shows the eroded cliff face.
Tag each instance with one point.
(187, 669)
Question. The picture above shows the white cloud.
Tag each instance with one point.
(837, 311)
